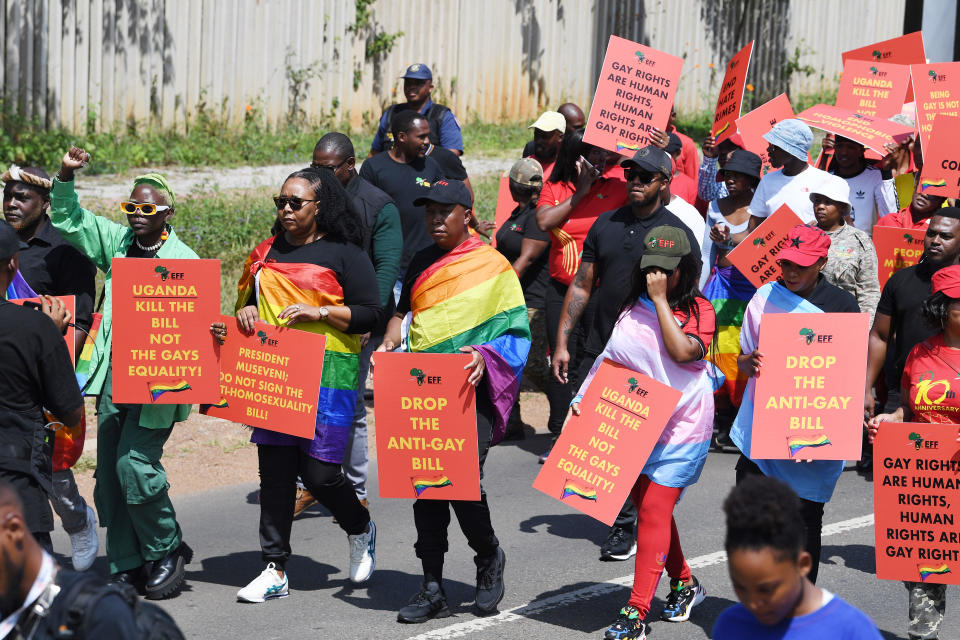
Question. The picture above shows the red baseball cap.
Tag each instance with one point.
(805, 245)
(947, 280)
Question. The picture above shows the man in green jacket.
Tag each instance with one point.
(144, 542)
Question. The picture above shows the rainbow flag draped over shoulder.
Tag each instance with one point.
(729, 292)
(472, 297)
(278, 285)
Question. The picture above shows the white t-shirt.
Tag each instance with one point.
(689, 216)
(871, 198)
(776, 189)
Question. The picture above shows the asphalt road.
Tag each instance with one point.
(556, 586)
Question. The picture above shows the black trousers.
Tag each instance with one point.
(558, 393)
(432, 517)
(810, 511)
(279, 468)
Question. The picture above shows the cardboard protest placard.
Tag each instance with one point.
(163, 352)
(634, 93)
(756, 255)
(873, 88)
(270, 378)
(905, 49)
(937, 90)
(808, 404)
(70, 302)
(916, 494)
(871, 132)
(758, 122)
(426, 426)
(731, 95)
(896, 249)
(598, 457)
(505, 206)
(941, 161)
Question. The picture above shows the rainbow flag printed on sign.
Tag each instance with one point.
(924, 184)
(926, 572)
(572, 488)
(716, 134)
(796, 444)
(422, 483)
(157, 389)
(624, 146)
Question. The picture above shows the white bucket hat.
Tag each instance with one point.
(833, 187)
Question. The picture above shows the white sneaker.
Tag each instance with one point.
(85, 544)
(363, 556)
(266, 586)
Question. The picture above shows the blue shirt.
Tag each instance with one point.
(450, 136)
(836, 619)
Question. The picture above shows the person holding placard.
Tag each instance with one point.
(801, 289)
(715, 156)
(681, 185)
(930, 372)
(665, 330)
(872, 192)
(483, 315)
(144, 541)
(311, 274)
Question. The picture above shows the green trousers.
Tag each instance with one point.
(131, 489)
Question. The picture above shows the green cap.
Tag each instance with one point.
(663, 247)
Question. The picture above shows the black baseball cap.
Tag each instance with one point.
(674, 143)
(10, 242)
(652, 159)
(446, 192)
(664, 247)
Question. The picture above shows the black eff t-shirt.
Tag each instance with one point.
(522, 224)
(450, 164)
(900, 299)
(830, 298)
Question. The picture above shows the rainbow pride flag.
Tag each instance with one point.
(422, 483)
(797, 444)
(729, 292)
(722, 129)
(623, 146)
(157, 389)
(472, 297)
(926, 572)
(571, 488)
(932, 183)
(221, 404)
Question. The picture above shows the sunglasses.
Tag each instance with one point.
(314, 165)
(144, 208)
(645, 177)
(295, 203)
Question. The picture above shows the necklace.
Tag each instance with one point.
(151, 248)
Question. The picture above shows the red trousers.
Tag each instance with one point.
(658, 543)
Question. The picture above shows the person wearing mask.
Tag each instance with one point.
(800, 289)
(50, 266)
(522, 242)
(872, 194)
(710, 186)
(932, 363)
(548, 133)
(417, 87)
(916, 215)
(681, 185)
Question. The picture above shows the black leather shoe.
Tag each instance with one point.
(136, 578)
(166, 577)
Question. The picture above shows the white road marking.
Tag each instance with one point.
(523, 612)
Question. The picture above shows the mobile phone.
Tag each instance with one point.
(589, 166)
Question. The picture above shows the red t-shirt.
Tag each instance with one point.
(681, 185)
(902, 220)
(566, 241)
(689, 160)
(702, 330)
(932, 378)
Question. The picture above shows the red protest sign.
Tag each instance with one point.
(426, 427)
(755, 124)
(871, 132)
(941, 162)
(905, 49)
(808, 400)
(634, 93)
(915, 483)
(505, 206)
(873, 88)
(896, 249)
(756, 255)
(163, 352)
(731, 95)
(270, 378)
(70, 302)
(598, 457)
(937, 90)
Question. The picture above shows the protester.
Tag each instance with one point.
(801, 289)
(548, 133)
(614, 244)
(522, 242)
(145, 544)
(872, 194)
(583, 184)
(789, 143)
(770, 570)
(689, 159)
(728, 219)
(492, 327)
(573, 115)
(931, 363)
(916, 215)
(417, 87)
(681, 184)
(311, 274)
(709, 186)
(665, 329)
(50, 266)
(852, 260)
(451, 166)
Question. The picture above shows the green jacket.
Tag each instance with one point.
(101, 240)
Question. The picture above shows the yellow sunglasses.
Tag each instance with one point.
(145, 208)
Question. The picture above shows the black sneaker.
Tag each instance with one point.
(681, 599)
(430, 602)
(627, 626)
(490, 582)
(620, 544)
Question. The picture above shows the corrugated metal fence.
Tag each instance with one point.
(164, 61)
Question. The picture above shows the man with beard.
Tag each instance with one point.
(548, 133)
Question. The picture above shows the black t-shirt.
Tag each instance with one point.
(450, 164)
(614, 244)
(832, 299)
(405, 182)
(523, 224)
(354, 273)
(901, 299)
(51, 266)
